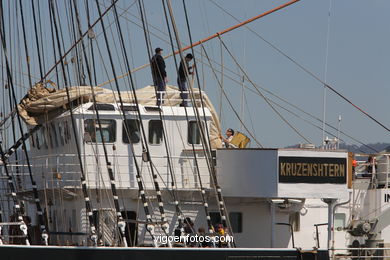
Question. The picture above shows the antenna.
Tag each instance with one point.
(326, 76)
(338, 132)
(242, 103)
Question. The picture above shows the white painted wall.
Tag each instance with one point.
(247, 172)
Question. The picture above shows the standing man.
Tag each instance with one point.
(159, 74)
(182, 78)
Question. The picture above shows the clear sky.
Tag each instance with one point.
(358, 59)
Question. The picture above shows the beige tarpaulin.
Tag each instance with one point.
(41, 100)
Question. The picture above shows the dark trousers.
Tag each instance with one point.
(159, 83)
(183, 87)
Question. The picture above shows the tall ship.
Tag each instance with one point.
(95, 166)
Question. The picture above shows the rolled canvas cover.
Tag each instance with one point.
(41, 100)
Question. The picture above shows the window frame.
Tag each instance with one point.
(96, 126)
(188, 132)
(61, 133)
(162, 132)
(36, 136)
(337, 218)
(49, 136)
(67, 134)
(45, 144)
(32, 141)
(124, 131)
(54, 134)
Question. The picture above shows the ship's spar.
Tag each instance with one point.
(209, 38)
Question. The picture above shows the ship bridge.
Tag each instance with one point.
(55, 154)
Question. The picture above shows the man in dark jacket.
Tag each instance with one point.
(159, 74)
(184, 71)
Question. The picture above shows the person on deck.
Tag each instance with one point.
(229, 137)
(159, 74)
(184, 72)
(203, 242)
(188, 226)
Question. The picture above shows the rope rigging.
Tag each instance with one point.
(166, 143)
(54, 48)
(78, 40)
(202, 189)
(317, 78)
(121, 224)
(227, 98)
(16, 202)
(145, 147)
(43, 228)
(149, 228)
(263, 39)
(217, 187)
(209, 38)
(235, 73)
(25, 44)
(36, 40)
(262, 95)
(82, 173)
(84, 63)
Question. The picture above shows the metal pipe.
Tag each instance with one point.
(333, 211)
(272, 208)
(330, 202)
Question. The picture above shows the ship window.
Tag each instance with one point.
(55, 136)
(37, 140)
(43, 137)
(106, 107)
(32, 140)
(295, 221)
(193, 133)
(129, 108)
(66, 132)
(155, 131)
(131, 131)
(61, 133)
(339, 220)
(108, 128)
(152, 109)
(49, 136)
(235, 219)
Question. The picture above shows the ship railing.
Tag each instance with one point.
(62, 170)
(360, 253)
(379, 172)
(152, 92)
(383, 170)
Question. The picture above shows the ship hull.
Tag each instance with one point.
(85, 253)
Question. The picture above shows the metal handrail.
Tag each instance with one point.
(189, 180)
(363, 253)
